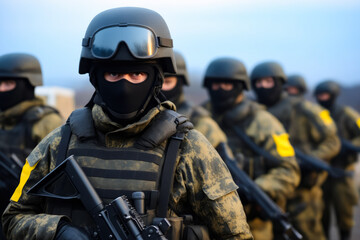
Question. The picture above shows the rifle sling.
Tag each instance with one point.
(64, 144)
(168, 173)
(253, 146)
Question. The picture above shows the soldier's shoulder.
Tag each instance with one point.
(308, 107)
(351, 112)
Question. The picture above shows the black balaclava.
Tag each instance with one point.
(22, 92)
(222, 100)
(328, 104)
(124, 101)
(174, 94)
(269, 96)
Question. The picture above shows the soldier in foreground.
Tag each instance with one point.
(24, 118)
(121, 140)
(173, 90)
(341, 193)
(311, 130)
(226, 80)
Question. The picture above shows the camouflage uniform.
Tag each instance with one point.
(312, 130)
(341, 193)
(42, 121)
(202, 121)
(267, 132)
(202, 183)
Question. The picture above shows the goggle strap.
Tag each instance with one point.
(165, 42)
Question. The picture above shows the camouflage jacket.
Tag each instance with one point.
(348, 125)
(202, 121)
(310, 126)
(202, 183)
(36, 120)
(279, 181)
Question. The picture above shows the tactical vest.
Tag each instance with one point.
(18, 140)
(115, 171)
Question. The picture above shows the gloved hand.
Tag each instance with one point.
(68, 231)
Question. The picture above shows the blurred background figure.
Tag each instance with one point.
(295, 85)
(24, 118)
(226, 80)
(172, 88)
(340, 194)
(311, 130)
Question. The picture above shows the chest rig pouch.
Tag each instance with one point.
(153, 185)
(18, 140)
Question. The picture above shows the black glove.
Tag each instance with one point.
(68, 231)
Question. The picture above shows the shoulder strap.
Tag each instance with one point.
(64, 143)
(168, 172)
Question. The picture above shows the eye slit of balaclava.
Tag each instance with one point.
(22, 92)
(174, 94)
(222, 100)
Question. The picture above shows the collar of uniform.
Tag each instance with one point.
(12, 115)
(107, 126)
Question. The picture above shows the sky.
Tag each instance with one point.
(319, 39)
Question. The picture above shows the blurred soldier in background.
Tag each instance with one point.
(226, 80)
(341, 193)
(311, 130)
(173, 90)
(295, 85)
(24, 119)
(123, 138)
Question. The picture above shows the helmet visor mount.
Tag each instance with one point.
(141, 42)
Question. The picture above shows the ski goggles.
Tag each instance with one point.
(142, 42)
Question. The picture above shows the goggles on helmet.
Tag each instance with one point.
(142, 42)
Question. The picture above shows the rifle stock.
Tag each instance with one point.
(118, 220)
(349, 146)
(254, 193)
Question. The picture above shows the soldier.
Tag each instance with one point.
(173, 90)
(24, 118)
(295, 85)
(340, 193)
(226, 80)
(311, 130)
(121, 140)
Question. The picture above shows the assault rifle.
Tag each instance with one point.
(349, 146)
(305, 160)
(255, 194)
(313, 163)
(118, 220)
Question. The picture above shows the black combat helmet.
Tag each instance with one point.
(144, 32)
(328, 86)
(226, 69)
(298, 82)
(267, 69)
(181, 68)
(21, 66)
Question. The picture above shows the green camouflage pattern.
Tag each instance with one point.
(202, 183)
(307, 130)
(202, 121)
(280, 181)
(341, 194)
(315, 135)
(41, 128)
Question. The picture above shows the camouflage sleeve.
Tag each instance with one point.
(353, 125)
(45, 125)
(281, 180)
(24, 217)
(204, 184)
(326, 143)
(211, 130)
